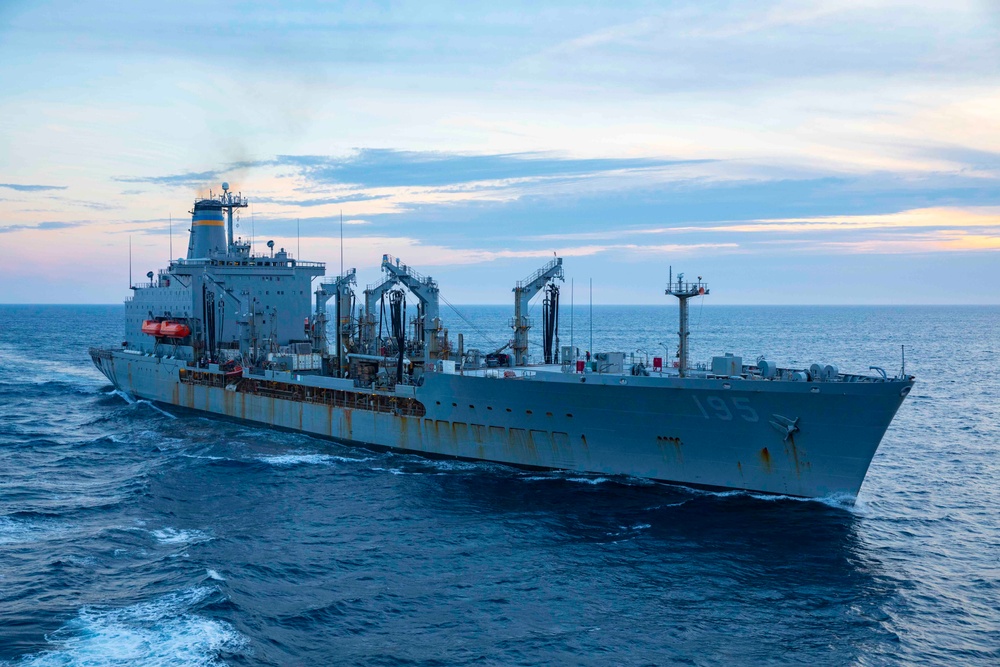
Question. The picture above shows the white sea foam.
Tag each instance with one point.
(300, 458)
(164, 632)
(841, 501)
(160, 410)
(46, 370)
(351, 459)
(212, 574)
(588, 480)
(400, 471)
(19, 531)
(175, 536)
(204, 456)
(122, 395)
(288, 460)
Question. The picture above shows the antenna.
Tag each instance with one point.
(592, 316)
(341, 241)
(251, 230)
(903, 352)
(298, 240)
(572, 311)
(130, 261)
(171, 237)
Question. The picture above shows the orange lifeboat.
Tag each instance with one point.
(174, 330)
(151, 327)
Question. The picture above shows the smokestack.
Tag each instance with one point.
(208, 229)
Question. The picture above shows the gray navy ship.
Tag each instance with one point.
(230, 332)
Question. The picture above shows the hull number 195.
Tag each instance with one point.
(718, 408)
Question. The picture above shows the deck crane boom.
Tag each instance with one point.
(524, 291)
(427, 292)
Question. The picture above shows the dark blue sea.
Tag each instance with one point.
(133, 534)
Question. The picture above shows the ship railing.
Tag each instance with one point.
(253, 260)
(394, 261)
(687, 288)
(355, 400)
(521, 284)
(786, 375)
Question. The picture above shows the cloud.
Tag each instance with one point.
(936, 241)
(366, 251)
(42, 226)
(32, 188)
(926, 217)
(379, 167)
(187, 180)
(320, 201)
(708, 47)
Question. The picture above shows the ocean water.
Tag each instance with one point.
(134, 534)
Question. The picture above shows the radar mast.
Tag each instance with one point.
(229, 202)
(684, 291)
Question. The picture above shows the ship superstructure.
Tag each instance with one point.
(245, 335)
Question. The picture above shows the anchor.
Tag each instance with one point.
(785, 426)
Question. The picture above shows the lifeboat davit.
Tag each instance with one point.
(174, 330)
(151, 327)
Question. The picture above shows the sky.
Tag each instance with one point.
(832, 152)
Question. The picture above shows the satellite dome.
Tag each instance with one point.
(225, 187)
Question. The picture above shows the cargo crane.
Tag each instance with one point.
(524, 291)
(427, 293)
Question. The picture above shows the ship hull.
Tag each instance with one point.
(792, 438)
